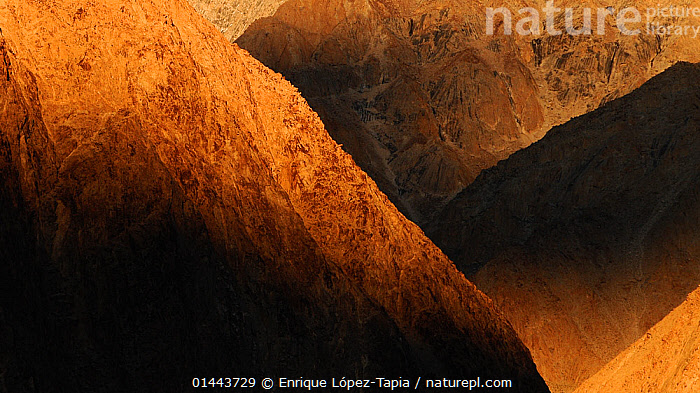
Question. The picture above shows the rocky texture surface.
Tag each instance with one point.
(424, 100)
(171, 208)
(589, 237)
(665, 360)
(232, 17)
(412, 91)
(577, 74)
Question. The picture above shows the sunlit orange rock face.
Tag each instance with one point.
(423, 99)
(590, 236)
(173, 209)
(666, 359)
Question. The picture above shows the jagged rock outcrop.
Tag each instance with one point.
(173, 209)
(424, 100)
(590, 236)
(665, 360)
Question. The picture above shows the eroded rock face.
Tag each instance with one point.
(171, 208)
(233, 17)
(414, 92)
(666, 359)
(589, 237)
(577, 74)
(424, 99)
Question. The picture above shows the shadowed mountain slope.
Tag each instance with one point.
(423, 99)
(412, 91)
(665, 360)
(173, 209)
(592, 235)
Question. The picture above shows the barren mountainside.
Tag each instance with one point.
(665, 360)
(171, 208)
(590, 236)
(423, 99)
(410, 90)
(586, 240)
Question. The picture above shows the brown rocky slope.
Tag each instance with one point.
(589, 237)
(410, 90)
(665, 360)
(424, 100)
(171, 208)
